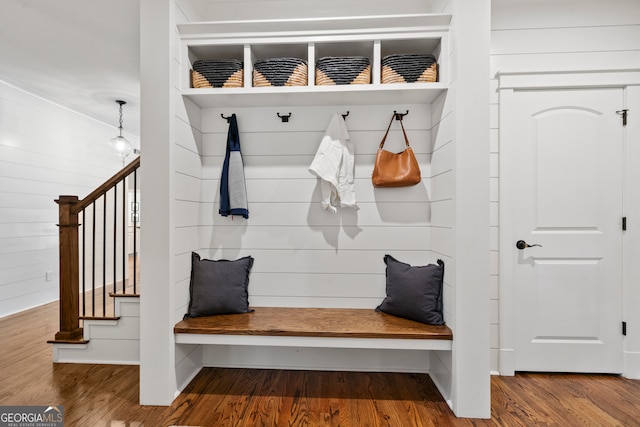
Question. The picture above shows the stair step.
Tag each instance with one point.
(114, 295)
(110, 339)
(78, 341)
(127, 328)
(100, 317)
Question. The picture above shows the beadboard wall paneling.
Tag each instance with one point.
(45, 151)
(577, 36)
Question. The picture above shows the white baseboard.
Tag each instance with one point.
(506, 362)
(631, 365)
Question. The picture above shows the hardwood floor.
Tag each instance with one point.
(104, 395)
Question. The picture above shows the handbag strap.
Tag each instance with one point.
(384, 138)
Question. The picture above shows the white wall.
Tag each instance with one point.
(304, 255)
(188, 177)
(157, 92)
(45, 151)
(568, 35)
(222, 10)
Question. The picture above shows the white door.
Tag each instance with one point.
(561, 173)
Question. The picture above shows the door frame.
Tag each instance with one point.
(629, 81)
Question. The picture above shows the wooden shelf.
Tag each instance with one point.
(310, 39)
(351, 25)
(388, 94)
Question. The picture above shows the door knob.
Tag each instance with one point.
(521, 244)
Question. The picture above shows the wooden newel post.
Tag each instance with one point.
(69, 270)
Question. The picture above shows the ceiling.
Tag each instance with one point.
(78, 53)
(82, 54)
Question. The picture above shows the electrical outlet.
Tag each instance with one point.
(49, 276)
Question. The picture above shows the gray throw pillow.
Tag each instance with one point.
(218, 287)
(414, 292)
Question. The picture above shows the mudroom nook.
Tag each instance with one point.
(259, 267)
(312, 263)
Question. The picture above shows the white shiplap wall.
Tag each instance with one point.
(45, 150)
(304, 255)
(187, 177)
(568, 35)
(277, 187)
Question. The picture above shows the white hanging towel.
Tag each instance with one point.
(334, 165)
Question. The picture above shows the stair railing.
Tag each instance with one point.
(98, 255)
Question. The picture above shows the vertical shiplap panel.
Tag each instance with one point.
(45, 150)
(577, 36)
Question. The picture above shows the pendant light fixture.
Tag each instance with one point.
(120, 144)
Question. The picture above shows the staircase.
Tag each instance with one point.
(100, 274)
(108, 341)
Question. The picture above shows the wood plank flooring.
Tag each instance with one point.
(104, 395)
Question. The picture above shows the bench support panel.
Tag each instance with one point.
(328, 342)
(317, 359)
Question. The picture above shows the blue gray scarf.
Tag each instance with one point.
(233, 192)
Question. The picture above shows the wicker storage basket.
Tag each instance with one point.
(409, 68)
(217, 73)
(280, 72)
(343, 70)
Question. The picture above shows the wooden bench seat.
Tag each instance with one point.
(314, 327)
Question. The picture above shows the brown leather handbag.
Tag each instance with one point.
(395, 169)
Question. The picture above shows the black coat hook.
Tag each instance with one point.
(344, 116)
(284, 117)
(400, 116)
(228, 119)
